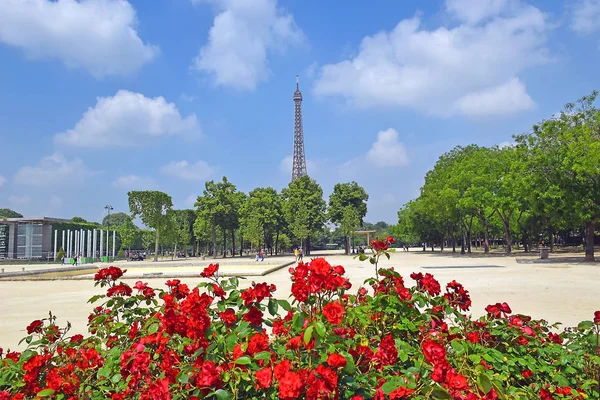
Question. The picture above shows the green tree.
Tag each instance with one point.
(128, 233)
(8, 213)
(347, 208)
(148, 238)
(115, 219)
(565, 152)
(304, 209)
(219, 206)
(260, 216)
(79, 220)
(152, 206)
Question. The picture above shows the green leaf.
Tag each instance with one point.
(458, 347)
(387, 255)
(308, 333)
(440, 393)
(321, 329)
(273, 306)
(116, 378)
(362, 256)
(230, 342)
(263, 355)
(222, 394)
(584, 325)
(350, 367)
(45, 392)
(152, 329)
(95, 298)
(285, 305)
(298, 321)
(390, 385)
(484, 383)
(243, 360)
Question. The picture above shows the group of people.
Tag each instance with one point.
(299, 253)
(260, 254)
(76, 259)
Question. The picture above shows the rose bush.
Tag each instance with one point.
(384, 340)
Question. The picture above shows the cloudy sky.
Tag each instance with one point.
(99, 97)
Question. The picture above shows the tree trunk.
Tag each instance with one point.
(486, 238)
(432, 245)
(508, 236)
(241, 244)
(277, 243)
(590, 228)
(214, 229)
(156, 247)
(424, 244)
(469, 241)
(454, 244)
(224, 243)
(233, 243)
(174, 251)
(307, 246)
(551, 241)
(462, 243)
(347, 244)
(442, 245)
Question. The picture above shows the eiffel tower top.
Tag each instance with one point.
(297, 93)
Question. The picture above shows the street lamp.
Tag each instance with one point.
(108, 209)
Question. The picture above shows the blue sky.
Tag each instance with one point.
(98, 97)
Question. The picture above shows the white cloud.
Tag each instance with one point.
(243, 36)
(2, 180)
(285, 166)
(507, 98)
(387, 151)
(133, 182)
(474, 11)
(128, 119)
(97, 35)
(19, 200)
(442, 71)
(198, 171)
(53, 171)
(586, 16)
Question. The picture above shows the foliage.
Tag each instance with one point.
(60, 253)
(261, 215)
(219, 207)
(115, 219)
(79, 220)
(152, 207)
(304, 209)
(389, 341)
(347, 208)
(128, 232)
(8, 213)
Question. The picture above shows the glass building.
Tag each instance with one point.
(27, 238)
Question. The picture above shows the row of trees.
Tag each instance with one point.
(547, 183)
(263, 218)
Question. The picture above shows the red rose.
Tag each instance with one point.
(121, 289)
(401, 393)
(456, 380)
(333, 312)
(526, 374)
(228, 317)
(209, 271)
(254, 316)
(390, 240)
(290, 386)
(597, 317)
(527, 330)
(473, 337)
(208, 375)
(522, 341)
(74, 339)
(35, 326)
(173, 283)
(434, 352)
(339, 270)
(218, 290)
(264, 378)
(336, 360)
(281, 369)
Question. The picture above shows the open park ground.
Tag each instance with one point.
(559, 290)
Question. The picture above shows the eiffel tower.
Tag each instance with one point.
(299, 163)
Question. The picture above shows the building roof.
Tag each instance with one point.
(42, 220)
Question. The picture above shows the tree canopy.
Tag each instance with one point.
(152, 207)
(347, 208)
(8, 213)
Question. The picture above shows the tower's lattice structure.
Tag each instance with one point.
(299, 164)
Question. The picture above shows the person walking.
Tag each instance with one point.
(257, 255)
(262, 255)
(296, 253)
(75, 259)
(62, 260)
(300, 254)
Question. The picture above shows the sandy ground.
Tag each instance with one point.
(559, 291)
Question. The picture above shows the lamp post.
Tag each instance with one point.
(108, 209)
